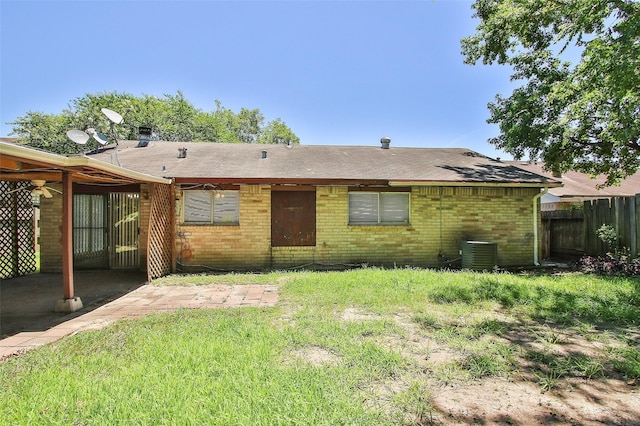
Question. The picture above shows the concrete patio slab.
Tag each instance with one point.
(144, 300)
(28, 303)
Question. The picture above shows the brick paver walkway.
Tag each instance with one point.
(145, 299)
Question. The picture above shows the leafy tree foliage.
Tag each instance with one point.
(172, 118)
(574, 114)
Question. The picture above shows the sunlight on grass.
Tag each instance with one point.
(206, 367)
(326, 353)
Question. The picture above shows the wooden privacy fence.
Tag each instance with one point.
(562, 233)
(623, 213)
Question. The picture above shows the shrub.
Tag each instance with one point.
(618, 261)
(609, 236)
(610, 265)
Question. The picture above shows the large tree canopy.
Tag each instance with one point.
(172, 118)
(578, 107)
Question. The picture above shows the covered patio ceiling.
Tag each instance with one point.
(20, 163)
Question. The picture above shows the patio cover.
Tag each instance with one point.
(20, 163)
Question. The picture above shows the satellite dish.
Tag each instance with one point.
(99, 137)
(78, 136)
(113, 116)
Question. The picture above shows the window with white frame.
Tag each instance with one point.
(211, 207)
(373, 208)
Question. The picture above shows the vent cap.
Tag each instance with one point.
(144, 136)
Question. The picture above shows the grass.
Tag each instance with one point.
(334, 351)
(10, 260)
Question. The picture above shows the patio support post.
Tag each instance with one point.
(69, 303)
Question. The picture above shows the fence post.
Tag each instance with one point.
(588, 225)
(634, 224)
(622, 217)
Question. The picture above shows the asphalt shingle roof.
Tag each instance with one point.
(581, 185)
(316, 163)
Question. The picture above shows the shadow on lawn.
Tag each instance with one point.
(562, 306)
(552, 344)
(556, 318)
(558, 359)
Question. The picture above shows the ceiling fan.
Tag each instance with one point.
(39, 188)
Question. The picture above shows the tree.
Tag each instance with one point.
(45, 131)
(579, 61)
(172, 118)
(278, 132)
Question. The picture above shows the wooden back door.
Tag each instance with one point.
(293, 218)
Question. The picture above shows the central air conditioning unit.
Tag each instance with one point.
(479, 255)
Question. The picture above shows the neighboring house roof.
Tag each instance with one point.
(579, 186)
(315, 164)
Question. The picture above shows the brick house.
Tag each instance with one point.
(252, 207)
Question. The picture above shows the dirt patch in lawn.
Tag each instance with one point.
(551, 375)
(313, 355)
(521, 402)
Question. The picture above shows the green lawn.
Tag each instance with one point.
(336, 350)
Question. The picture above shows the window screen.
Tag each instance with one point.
(378, 208)
(363, 207)
(211, 207)
(225, 208)
(394, 207)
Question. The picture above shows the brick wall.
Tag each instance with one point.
(440, 220)
(51, 233)
(228, 247)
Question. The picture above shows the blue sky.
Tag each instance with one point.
(336, 72)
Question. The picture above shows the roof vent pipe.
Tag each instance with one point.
(264, 154)
(385, 141)
(182, 152)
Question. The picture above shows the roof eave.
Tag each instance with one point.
(72, 164)
(352, 182)
(281, 181)
(475, 183)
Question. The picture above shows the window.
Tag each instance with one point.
(211, 207)
(372, 208)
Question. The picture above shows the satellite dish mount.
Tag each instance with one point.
(114, 118)
(82, 137)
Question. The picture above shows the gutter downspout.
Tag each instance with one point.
(535, 224)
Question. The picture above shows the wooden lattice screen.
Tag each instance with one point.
(17, 248)
(160, 242)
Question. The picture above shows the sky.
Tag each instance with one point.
(336, 72)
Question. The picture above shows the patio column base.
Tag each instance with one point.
(68, 305)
